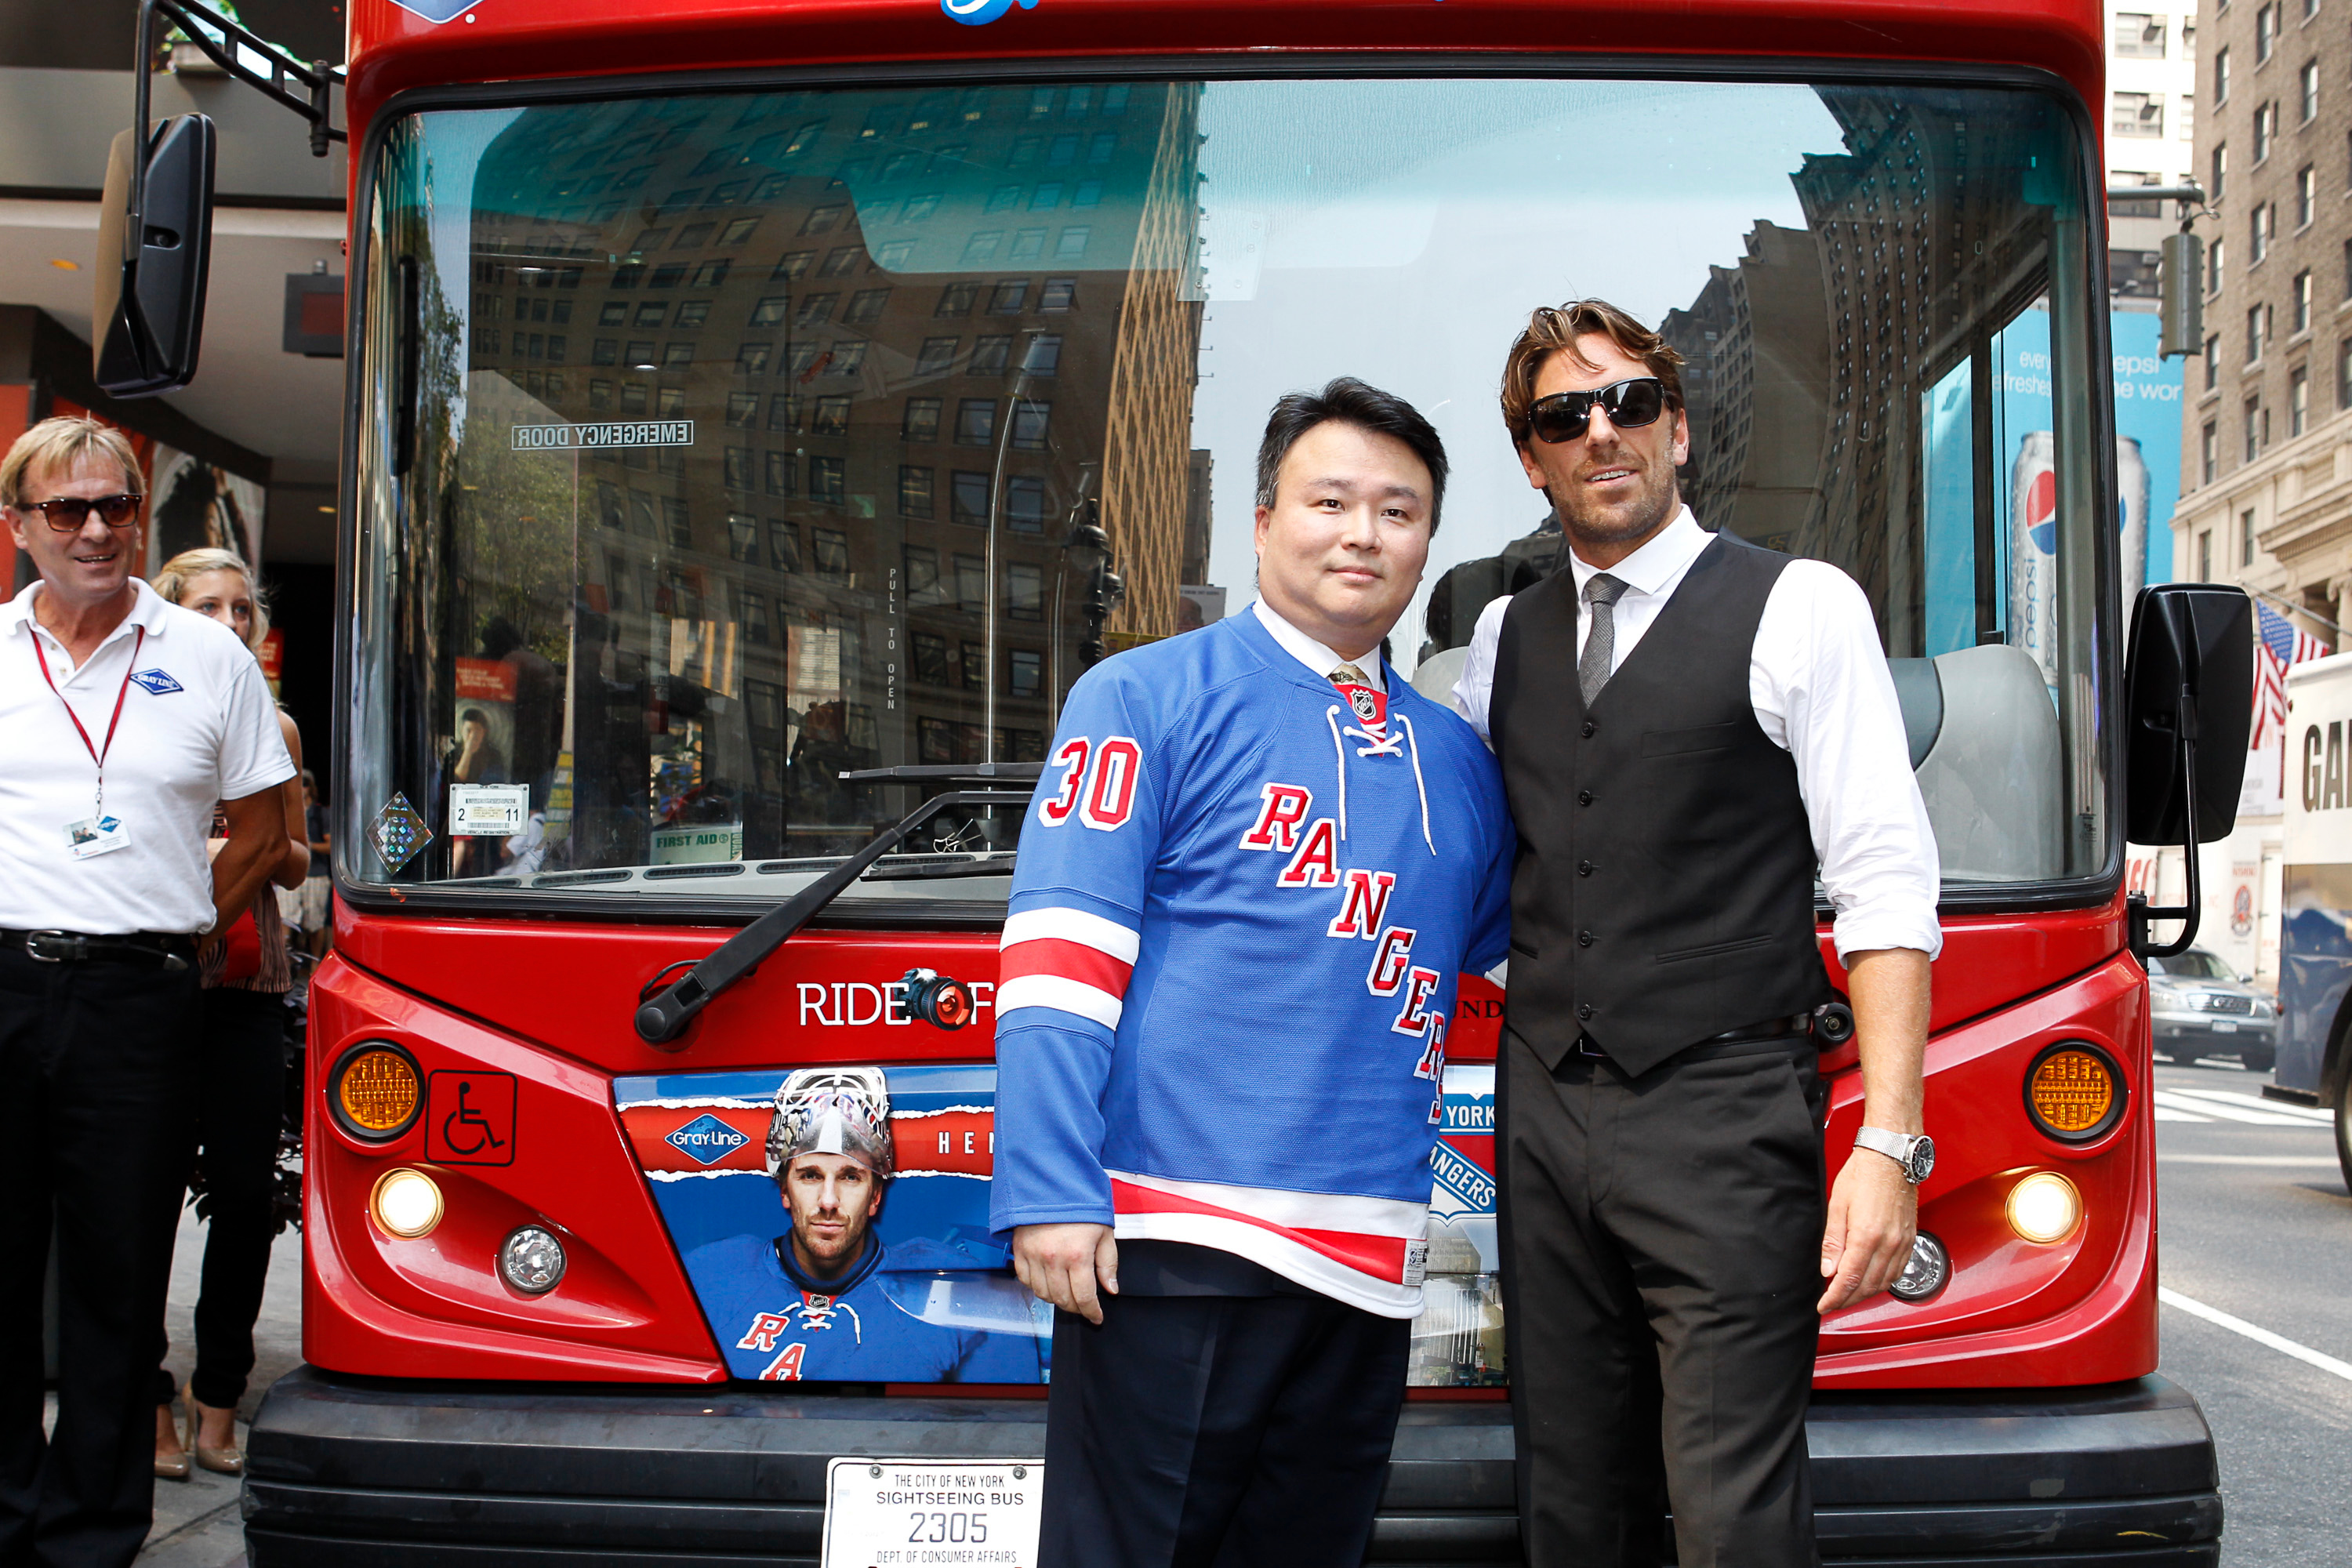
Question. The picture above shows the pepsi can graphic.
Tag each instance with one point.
(2131, 505)
(2033, 552)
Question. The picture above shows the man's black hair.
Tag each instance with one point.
(1348, 401)
(473, 716)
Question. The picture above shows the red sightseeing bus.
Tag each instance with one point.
(761, 411)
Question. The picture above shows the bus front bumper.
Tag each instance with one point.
(377, 1473)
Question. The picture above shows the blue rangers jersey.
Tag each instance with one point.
(1242, 901)
(774, 1328)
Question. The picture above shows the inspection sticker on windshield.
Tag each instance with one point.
(882, 1513)
(610, 433)
(488, 811)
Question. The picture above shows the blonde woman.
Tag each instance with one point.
(241, 1078)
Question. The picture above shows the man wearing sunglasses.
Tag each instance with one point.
(123, 722)
(1689, 726)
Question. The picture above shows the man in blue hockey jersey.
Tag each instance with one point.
(811, 1305)
(1257, 863)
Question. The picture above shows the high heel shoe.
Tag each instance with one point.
(227, 1460)
(172, 1467)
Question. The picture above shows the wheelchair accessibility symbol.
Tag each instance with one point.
(469, 1117)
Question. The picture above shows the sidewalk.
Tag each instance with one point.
(196, 1520)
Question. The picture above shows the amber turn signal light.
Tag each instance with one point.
(375, 1091)
(2075, 1092)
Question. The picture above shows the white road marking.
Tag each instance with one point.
(2166, 1099)
(2166, 1113)
(2269, 1107)
(2261, 1336)
(2244, 1160)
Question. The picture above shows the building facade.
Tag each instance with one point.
(2152, 99)
(2266, 448)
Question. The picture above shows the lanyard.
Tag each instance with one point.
(97, 753)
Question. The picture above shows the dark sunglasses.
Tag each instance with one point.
(67, 513)
(1567, 416)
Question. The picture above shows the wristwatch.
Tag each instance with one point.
(1915, 1153)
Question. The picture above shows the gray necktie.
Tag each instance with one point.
(1601, 643)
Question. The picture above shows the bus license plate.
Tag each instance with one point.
(884, 1513)
(2225, 1026)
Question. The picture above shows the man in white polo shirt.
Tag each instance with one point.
(123, 720)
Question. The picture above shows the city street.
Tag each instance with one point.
(2254, 1223)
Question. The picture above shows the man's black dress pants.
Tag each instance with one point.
(1661, 1241)
(95, 1060)
(1219, 1432)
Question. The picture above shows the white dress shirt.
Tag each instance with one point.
(198, 727)
(1818, 678)
(1314, 654)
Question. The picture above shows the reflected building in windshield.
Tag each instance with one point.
(908, 335)
(1806, 358)
(717, 447)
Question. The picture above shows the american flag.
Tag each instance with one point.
(2282, 645)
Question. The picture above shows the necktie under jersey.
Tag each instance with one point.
(1370, 707)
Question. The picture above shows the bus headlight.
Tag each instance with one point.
(2075, 1092)
(405, 1204)
(375, 1091)
(532, 1261)
(2045, 1207)
(1926, 1271)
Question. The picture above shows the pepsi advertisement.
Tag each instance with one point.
(2148, 392)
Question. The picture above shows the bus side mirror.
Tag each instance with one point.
(2189, 677)
(154, 248)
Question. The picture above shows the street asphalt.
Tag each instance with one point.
(2254, 1224)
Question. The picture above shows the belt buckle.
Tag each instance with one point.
(39, 944)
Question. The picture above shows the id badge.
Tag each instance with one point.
(96, 835)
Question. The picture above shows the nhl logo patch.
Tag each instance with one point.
(1370, 707)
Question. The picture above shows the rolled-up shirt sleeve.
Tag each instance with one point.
(1821, 689)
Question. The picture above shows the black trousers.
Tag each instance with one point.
(1661, 1240)
(239, 1106)
(1219, 1432)
(95, 1070)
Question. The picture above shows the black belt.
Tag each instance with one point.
(1795, 1026)
(171, 951)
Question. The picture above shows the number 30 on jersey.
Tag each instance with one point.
(1097, 783)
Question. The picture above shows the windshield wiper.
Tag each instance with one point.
(662, 1017)
(997, 864)
(947, 772)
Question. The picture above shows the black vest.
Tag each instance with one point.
(1664, 891)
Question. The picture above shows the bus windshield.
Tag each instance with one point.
(717, 447)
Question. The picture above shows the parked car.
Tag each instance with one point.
(2203, 1008)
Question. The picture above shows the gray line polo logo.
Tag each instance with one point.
(155, 683)
(706, 1139)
